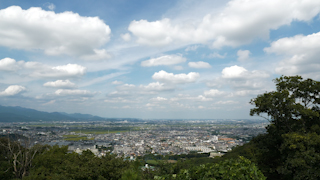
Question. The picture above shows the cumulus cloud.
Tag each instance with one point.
(199, 64)
(234, 26)
(239, 78)
(137, 90)
(301, 55)
(164, 60)
(213, 93)
(126, 37)
(72, 69)
(98, 54)
(65, 33)
(200, 98)
(60, 84)
(251, 93)
(182, 97)
(36, 69)
(156, 86)
(74, 92)
(243, 55)
(126, 87)
(8, 64)
(234, 72)
(64, 71)
(163, 76)
(12, 90)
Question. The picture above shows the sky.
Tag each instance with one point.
(168, 59)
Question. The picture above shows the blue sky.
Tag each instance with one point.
(181, 59)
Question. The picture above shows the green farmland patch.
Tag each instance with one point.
(76, 138)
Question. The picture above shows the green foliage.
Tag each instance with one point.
(17, 157)
(5, 161)
(240, 168)
(76, 138)
(57, 163)
(290, 149)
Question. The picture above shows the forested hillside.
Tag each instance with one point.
(20, 114)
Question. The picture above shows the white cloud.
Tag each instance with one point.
(117, 82)
(192, 48)
(301, 55)
(216, 55)
(126, 86)
(182, 97)
(156, 86)
(201, 98)
(36, 69)
(98, 54)
(252, 93)
(60, 84)
(152, 33)
(213, 93)
(237, 72)
(239, 78)
(50, 102)
(101, 79)
(233, 72)
(126, 37)
(118, 100)
(134, 91)
(163, 76)
(64, 71)
(243, 55)
(164, 60)
(72, 69)
(199, 64)
(120, 93)
(73, 92)
(8, 64)
(227, 102)
(50, 6)
(12, 90)
(234, 26)
(65, 33)
(159, 99)
(259, 83)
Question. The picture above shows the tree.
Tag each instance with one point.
(291, 147)
(57, 163)
(293, 107)
(239, 168)
(17, 157)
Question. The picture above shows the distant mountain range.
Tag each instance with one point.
(20, 114)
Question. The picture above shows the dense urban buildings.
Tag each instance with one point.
(131, 138)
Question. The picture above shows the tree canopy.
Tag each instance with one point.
(291, 147)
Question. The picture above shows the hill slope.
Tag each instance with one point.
(20, 114)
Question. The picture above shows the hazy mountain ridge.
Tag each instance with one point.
(20, 114)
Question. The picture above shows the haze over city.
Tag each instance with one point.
(153, 59)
